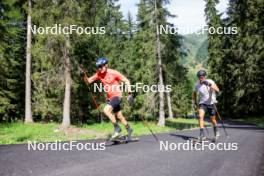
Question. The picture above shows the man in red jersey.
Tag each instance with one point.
(110, 80)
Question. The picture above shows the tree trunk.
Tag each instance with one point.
(28, 112)
(161, 121)
(67, 95)
(169, 105)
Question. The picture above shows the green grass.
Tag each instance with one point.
(141, 129)
(19, 132)
(258, 121)
(187, 121)
(138, 127)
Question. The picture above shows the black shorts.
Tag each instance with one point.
(208, 108)
(115, 102)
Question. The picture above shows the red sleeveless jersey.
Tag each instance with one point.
(110, 80)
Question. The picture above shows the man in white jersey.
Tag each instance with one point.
(206, 89)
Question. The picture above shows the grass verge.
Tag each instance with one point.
(258, 121)
(15, 133)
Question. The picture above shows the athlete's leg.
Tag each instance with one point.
(201, 117)
(201, 121)
(124, 122)
(108, 112)
(212, 113)
(213, 120)
(122, 119)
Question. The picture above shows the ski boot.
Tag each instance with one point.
(117, 131)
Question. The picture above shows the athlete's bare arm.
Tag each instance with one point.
(215, 87)
(127, 82)
(89, 80)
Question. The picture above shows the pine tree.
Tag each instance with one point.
(236, 63)
(12, 29)
(57, 60)
(246, 52)
(169, 53)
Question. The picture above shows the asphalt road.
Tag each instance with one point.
(144, 158)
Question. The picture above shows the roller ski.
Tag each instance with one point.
(123, 139)
(117, 138)
(201, 138)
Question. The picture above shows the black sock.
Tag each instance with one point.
(116, 126)
(201, 132)
(215, 129)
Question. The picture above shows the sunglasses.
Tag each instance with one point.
(100, 67)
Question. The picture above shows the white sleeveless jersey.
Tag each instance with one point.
(206, 94)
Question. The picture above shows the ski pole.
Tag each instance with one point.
(93, 97)
(146, 125)
(95, 102)
(221, 119)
